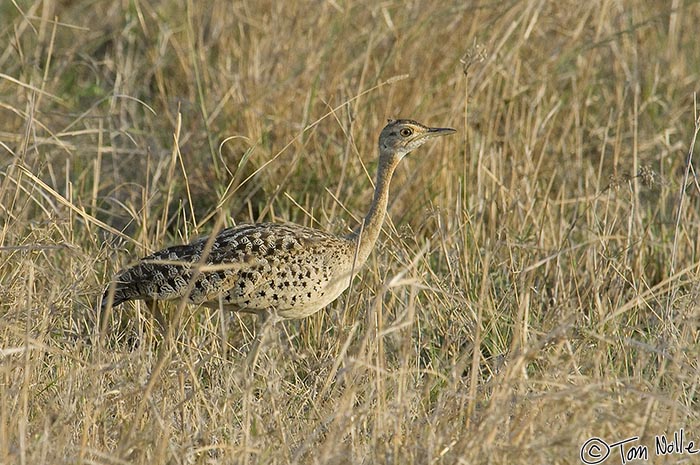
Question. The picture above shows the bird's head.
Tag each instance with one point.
(402, 136)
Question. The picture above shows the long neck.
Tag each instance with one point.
(366, 234)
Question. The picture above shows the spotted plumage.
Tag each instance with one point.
(287, 269)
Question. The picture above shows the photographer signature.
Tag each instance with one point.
(596, 450)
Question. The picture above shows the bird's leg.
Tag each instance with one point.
(265, 320)
(105, 314)
(159, 315)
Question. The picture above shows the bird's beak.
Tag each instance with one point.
(437, 132)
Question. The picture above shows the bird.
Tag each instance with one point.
(282, 269)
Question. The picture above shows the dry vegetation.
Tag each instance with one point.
(536, 284)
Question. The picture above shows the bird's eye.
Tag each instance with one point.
(405, 132)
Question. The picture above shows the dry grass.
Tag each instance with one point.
(537, 283)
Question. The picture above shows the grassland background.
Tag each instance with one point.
(536, 283)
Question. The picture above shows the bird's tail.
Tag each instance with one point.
(123, 287)
(112, 298)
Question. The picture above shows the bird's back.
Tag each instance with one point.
(289, 269)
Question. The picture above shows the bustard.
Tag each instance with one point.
(287, 270)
